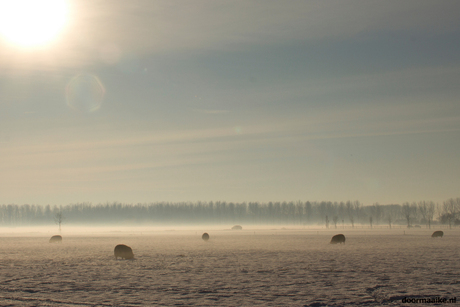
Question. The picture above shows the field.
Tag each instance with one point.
(266, 267)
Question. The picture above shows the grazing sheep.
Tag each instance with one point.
(438, 233)
(56, 239)
(340, 238)
(123, 251)
(237, 227)
(205, 236)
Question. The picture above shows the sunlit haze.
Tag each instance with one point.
(238, 101)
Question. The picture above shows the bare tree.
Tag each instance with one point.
(423, 209)
(390, 219)
(58, 218)
(299, 211)
(415, 213)
(358, 210)
(335, 219)
(450, 210)
(408, 211)
(430, 213)
(439, 211)
(350, 209)
(391, 211)
(377, 212)
(341, 209)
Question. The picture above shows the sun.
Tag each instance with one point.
(31, 23)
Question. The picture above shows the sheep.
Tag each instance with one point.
(340, 238)
(438, 233)
(123, 251)
(56, 239)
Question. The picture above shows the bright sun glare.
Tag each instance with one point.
(30, 23)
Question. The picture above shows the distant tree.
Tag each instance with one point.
(358, 210)
(321, 209)
(439, 209)
(423, 210)
(13, 214)
(391, 212)
(299, 212)
(231, 208)
(335, 219)
(342, 209)
(451, 208)
(350, 212)
(291, 212)
(277, 211)
(415, 212)
(408, 211)
(253, 211)
(377, 212)
(285, 212)
(308, 211)
(48, 213)
(271, 214)
(389, 219)
(58, 218)
(430, 213)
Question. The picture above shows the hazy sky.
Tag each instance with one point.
(145, 101)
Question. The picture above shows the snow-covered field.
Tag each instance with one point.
(234, 268)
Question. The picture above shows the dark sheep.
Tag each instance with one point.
(340, 238)
(237, 227)
(123, 251)
(437, 234)
(205, 236)
(56, 239)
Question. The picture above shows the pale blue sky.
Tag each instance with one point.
(237, 101)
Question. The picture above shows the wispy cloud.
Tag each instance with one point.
(150, 27)
(212, 111)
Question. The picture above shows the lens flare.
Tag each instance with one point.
(85, 93)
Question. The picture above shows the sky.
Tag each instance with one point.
(145, 101)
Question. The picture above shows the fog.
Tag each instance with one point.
(279, 266)
(297, 214)
(281, 256)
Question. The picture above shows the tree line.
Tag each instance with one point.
(325, 213)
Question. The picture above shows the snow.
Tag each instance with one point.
(245, 268)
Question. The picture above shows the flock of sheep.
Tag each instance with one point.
(125, 252)
(340, 238)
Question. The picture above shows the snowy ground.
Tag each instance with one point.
(234, 268)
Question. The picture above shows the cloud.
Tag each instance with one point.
(158, 27)
(221, 25)
(213, 111)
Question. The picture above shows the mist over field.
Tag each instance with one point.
(254, 266)
(254, 254)
(281, 255)
(325, 213)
